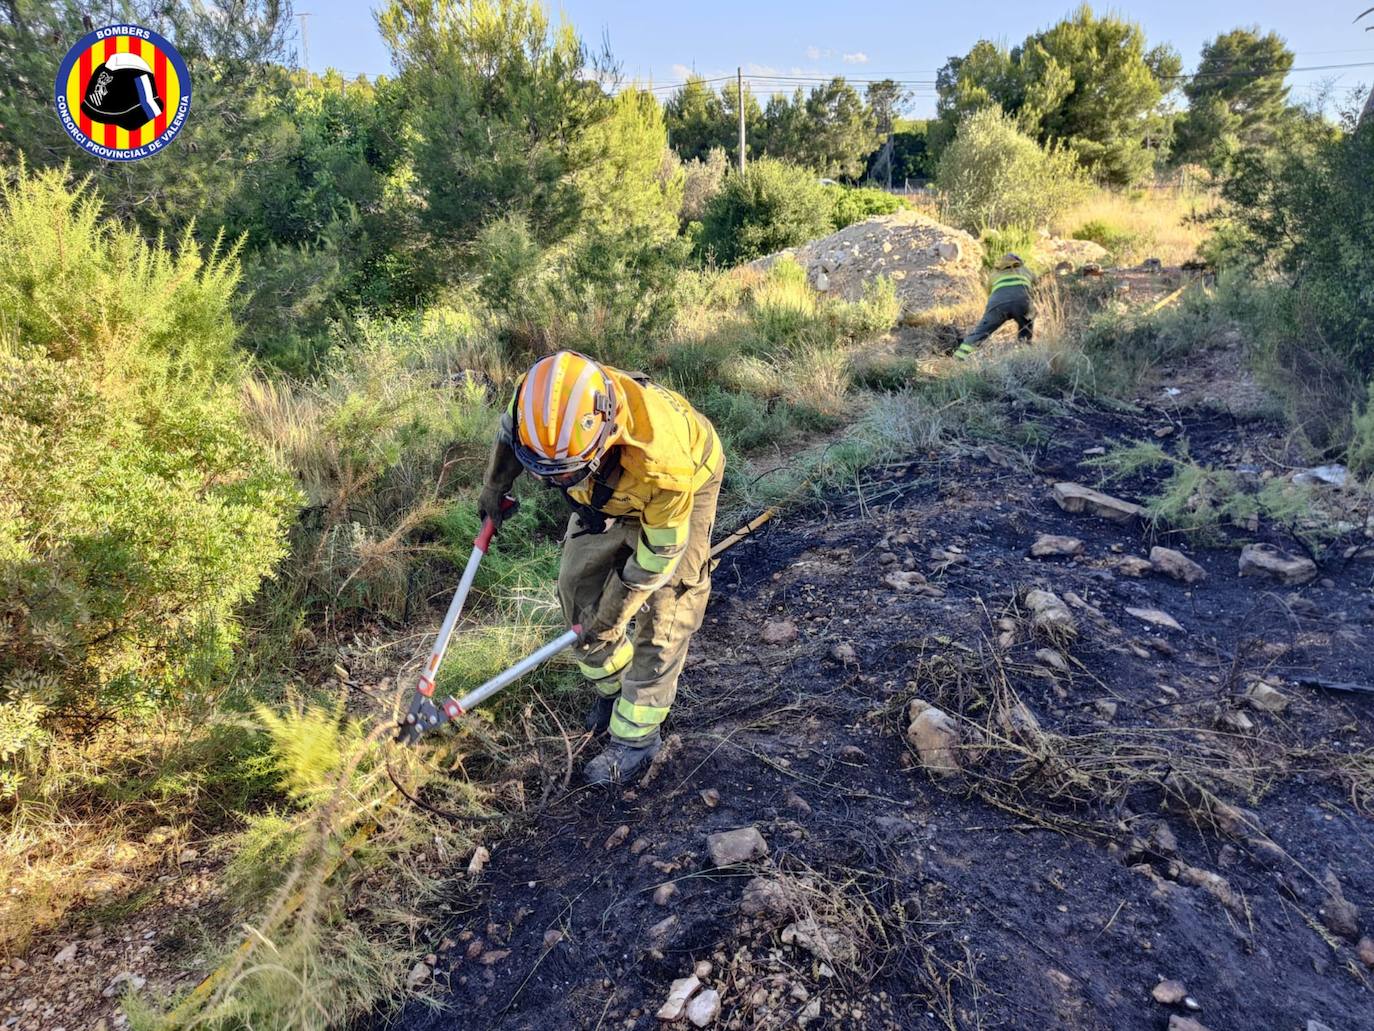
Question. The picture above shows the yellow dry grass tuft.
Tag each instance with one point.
(1165, 222)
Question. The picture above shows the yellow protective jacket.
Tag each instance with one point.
(667, 452)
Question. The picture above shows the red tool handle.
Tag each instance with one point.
(483, 539)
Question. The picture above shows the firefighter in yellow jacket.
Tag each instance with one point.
(642, 470)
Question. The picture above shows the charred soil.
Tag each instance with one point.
(1124, 812)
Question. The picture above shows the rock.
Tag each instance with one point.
(1365, 950)
(664, 893)
(912, 581)
(852, 754)
(794, 801)
(710, 798)
(1266, 697)
(1169, 993)
(479, 859)
(844, 652)
(703, 1008)
(907, 247)
(1177, 1023)
(617, 837)
(1049, 614)
(821, 281)
(1075, 252)
(825, 943)
(662, 932)
(727, 848)
(1268, 561)
(1105, 708)
(552, 937)
(490, 959)
(1317, 1025)
(779, 631)
(1048, 545)
(65, 955)
(1134, 566)
(1074, 497)
(1322, 475)
(1157, 617)
(702, 969)
(187, 855)
(678, 993)
(1341, 916)
(935, 736)
(1164, 838)
(1215, 884)
(1053, 659)
(125, 979)
(1177, 565)
(639, 846)
(763, 895)
(1237, 721)
(419, 974)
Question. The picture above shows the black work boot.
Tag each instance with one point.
(599, 715)
(621, 760)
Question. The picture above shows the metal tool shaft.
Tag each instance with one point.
(479, 695)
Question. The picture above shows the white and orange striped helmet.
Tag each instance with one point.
(564, 417)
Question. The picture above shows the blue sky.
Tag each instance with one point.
(907, 41)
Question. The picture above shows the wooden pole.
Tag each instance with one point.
(739, 101)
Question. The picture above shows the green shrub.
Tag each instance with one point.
(1361, 453)
(993, 175)
(854, 204)
(1009, 240)
(772, 205)
(1114, 240)
(138, 514)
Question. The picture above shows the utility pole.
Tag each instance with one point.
(739, 102)
(305, 43)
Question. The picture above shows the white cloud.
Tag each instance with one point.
(856, 58)
(813, 53)
(682, 72)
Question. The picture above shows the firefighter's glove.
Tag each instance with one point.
(597, 635)
(491, 504)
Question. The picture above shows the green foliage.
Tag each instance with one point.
(703, 178)
(138, 514)
(840, 131)
(1087, 83)
(1115, 240)
(695, 118)
(994, 176)
(1237, 96)
(771, 206)
(502, 114)
(1361, 452)
(854, 204)
(1009, 240)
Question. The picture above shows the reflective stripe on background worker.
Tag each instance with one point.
(642, 470)
(1010, 300)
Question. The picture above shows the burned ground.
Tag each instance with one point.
(1129, 818)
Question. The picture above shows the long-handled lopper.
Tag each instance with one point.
(424, 714)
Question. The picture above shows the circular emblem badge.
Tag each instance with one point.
(123, 92)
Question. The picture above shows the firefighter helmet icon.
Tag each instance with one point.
(122, 92)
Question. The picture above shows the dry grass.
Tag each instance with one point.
(1164, 222)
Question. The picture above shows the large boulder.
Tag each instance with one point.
(931, 265)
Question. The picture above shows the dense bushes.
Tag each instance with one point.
(770, 206)
(850, 205)
(138, 514)
(993, 176)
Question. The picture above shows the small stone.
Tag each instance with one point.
(1341, 916)
(664, 893)
(1365, 950)
(1164, 838)
(187, 855)
(1317, 1025)
(949, 250)
(779, 631)
(1053, 659)
(678, 993)
(65, 955)
(935, 736)
(1237, 721)
(1049, 614)
(1050, 545)
(474, 949)
(763, 895)
(852, 754)
(727, 848)
(1268, 561)
(1134, 566)
(639, 845)
(479, 859)
(617, 837)
(702, 969)
(125, 979)
(1157, 617)
(844, 652)
(662, 932)
(1178, 1023)
(493, 957)
(1266, 697)
(1106, 708)
(1169, 993)
(1177, 565)
(418, 975)
(703, 1008)
(794, 801)
(710, 797)
(1075, 498)
(552, 937)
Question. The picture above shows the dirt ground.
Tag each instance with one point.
(1134, 820)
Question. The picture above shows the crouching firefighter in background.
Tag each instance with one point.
(642, 470)
(1010, 300)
